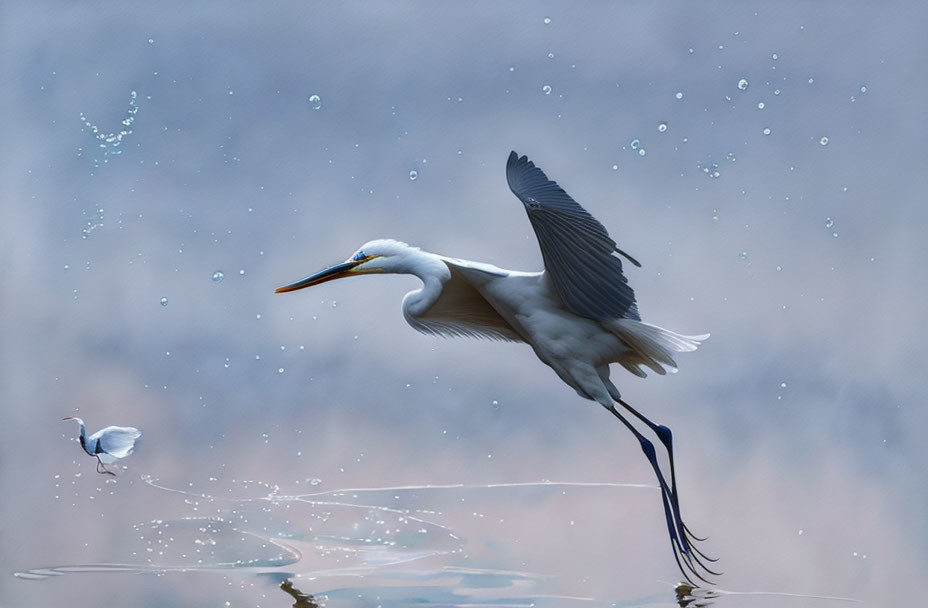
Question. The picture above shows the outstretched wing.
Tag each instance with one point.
(576, 248)
(118, 441)
(461, 310)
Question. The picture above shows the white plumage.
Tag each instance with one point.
(579, 314)
(108, 444)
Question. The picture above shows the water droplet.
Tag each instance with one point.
(164, 301)
(766, 130)
(863, 88)
(151, 41)
(710, 169)
(760, 105)
(679, 95)
(615, 167)
(829, 223)
(811, 80)
(413, 175)
(218, 276)
(550, 55)
(779, 268)
(782, 385)
(547, 20)
(776, 91)
(774, 57)
(495, 404)
(546, 89)
(642, 152)
(743, 85)
(241, 271)
(280, 370)
(635, 144)
(823, 141)
(662, 127)
(315, 102)
(227, 363)
(743, 255)
(800, 531)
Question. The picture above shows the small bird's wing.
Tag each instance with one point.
(461, 310)
(576, 248)
(118, 441)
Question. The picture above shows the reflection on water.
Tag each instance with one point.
(359, 546)
(694, 597)
(303, 600)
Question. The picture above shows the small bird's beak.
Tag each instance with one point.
(329, 274)
(68, 418)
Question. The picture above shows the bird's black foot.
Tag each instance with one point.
(103, 470)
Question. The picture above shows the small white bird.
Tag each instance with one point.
(579, 315)
(108, 445)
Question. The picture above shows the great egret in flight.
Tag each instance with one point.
(108, 445)
(579, 314)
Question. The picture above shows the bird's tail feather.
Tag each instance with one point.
(652, 346)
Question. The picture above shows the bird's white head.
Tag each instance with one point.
(378, 256)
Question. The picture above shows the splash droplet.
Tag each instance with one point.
(635, 144)
(823, 141)
(661, 127)
(315, 102)
(743, 85)
(546, 89)
(829, 223)
(766, 130)
(164, 301)
(413, 175)
(863, 88)
(218, 276)
(547, 20)
(760, 105)
(679, 95)
(642, 152)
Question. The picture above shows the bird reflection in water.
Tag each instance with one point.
(303, 600)
(689, 596)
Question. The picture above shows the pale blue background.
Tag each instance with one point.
(804, 411)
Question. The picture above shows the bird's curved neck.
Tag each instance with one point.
(433, 273)
(83, 439)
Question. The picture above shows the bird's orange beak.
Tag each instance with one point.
(329, 274)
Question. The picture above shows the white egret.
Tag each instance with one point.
(579, 314)
(108, 445)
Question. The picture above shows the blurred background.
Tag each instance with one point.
(166, 166)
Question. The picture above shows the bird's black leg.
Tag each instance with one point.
(666, 436)
(102, 469)
(672, 516)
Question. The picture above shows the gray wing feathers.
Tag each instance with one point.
(576, 248)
